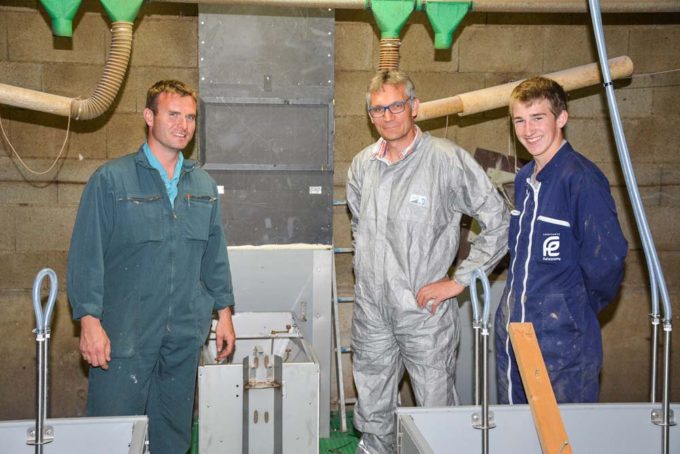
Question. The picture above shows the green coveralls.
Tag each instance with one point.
(152, 275)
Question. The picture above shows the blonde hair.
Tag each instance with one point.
(537, 88)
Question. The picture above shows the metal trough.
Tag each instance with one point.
(266, 399)
(592, 429)
(103, 435)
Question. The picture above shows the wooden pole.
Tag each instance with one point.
(546, 414)
(499, 96)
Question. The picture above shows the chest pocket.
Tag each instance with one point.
(139, 218)
(553, 239)
(416, 206)
(197, 210)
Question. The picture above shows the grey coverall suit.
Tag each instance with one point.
(406, 226)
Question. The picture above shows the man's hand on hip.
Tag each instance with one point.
(95, 345)
(433, 294)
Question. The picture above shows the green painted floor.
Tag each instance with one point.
(340, 443)
(337, 443)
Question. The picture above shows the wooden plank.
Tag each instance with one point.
(546, 414)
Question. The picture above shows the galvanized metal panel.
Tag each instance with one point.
(105, 435)
(266, 81)
(297, 280)
(266, 136)
(221, 400)
(592, 429)
(276, 207)
(256, 52)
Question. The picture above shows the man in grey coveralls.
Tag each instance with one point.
(407, 193)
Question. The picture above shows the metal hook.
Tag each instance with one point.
(42, 320)
(478, 274)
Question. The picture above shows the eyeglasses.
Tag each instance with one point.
(396, 107)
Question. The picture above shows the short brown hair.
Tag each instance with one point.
(537, 88)
(167, 86)
(390, 77)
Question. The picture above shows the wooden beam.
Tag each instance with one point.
(546, 414)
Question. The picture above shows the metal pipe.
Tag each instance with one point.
(499, 96)
(338, 350)
(655, 356)
(42, 336)
(485, 393)
(482, 6)
(572, 6)
(478, 274)
(476, 331)
(656, 273)
(668, 328)
(476, 328)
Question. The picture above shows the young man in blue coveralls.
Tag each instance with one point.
(567, 251)
(147, 266)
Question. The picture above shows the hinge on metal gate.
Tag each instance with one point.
(657, 417)
(48, 435)
(478, 423)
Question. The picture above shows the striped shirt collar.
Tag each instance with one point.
(380, 150)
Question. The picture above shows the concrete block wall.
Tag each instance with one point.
(491, 49)
(37, 212)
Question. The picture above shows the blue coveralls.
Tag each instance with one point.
(152, 274)
(567, 255)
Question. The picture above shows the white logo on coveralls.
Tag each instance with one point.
(419, 200)
(551, 248)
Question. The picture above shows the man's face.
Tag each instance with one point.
(173, 126)
(537, 128)
(394, 127)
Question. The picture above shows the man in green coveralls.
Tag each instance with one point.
(147, 267)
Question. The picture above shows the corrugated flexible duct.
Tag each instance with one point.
(104, 93)
(112, 77)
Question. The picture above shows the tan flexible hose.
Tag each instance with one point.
(103, 95)
(389, 54)
(112, 78)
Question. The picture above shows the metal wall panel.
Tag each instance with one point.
(248, 136)
(266, 53)
(274, 207)
(266, 124)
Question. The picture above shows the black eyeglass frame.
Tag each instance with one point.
(380, 110)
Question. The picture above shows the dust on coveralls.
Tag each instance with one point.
(153, 275)
(567, 256)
